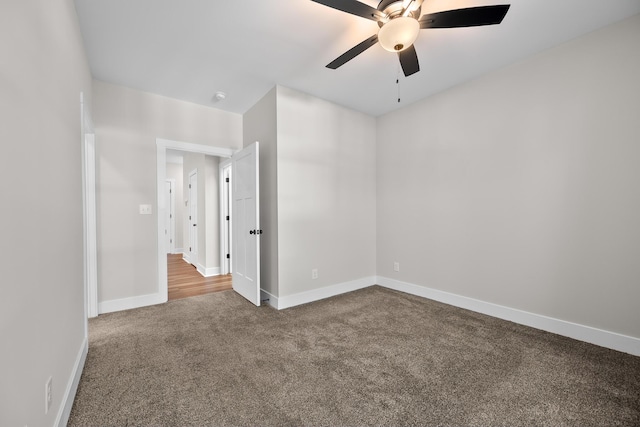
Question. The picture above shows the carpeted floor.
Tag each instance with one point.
(370, 357)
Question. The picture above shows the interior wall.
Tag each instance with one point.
(521, 188)
(127, 123)
(43, 69)
(259, 124)
(326, 192)
(174, 171)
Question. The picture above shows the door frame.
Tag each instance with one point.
(225, 209)
(90, 258)
(162, 145)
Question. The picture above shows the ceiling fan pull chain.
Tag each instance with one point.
(398, 83)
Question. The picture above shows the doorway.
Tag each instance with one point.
(162, 146)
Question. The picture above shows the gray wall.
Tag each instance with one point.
(317, 191)
(43, 69)
(326, 193)
(521, 188)
(127, 124)
(259, 124)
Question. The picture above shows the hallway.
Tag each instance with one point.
(185, 281)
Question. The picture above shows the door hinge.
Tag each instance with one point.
(227, 179)
(189, 185)
(227, 217)
(228, 256)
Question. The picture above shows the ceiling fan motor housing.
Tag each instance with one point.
(394, 8)
(397, 32)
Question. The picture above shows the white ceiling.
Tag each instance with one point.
(189, 49)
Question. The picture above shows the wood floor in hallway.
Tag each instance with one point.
(185, 281)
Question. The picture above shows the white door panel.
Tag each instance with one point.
(193, 217)
(168, 223)
(245, 259)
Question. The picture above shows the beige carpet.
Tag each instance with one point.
(370, 357)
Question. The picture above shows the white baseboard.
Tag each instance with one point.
(131, 302)
(588, 334)
(177, 251)
(186, 258)
(272, 300)
(208, 272)
(72, 386)
(321, 293)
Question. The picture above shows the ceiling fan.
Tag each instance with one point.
(400, 23)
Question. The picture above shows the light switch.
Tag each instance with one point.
(145, 210)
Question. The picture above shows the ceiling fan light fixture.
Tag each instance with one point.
(399, 33)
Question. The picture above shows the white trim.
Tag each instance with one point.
(162, 145)
(207, 271)
(225, 208)
(90, 257)
(161, 169)
(584, 333)
(194, 148)
(132, 302)
(186, 258)
(271, 300)
(179, 251)
(320, 293)
(91, 246)
(72, 386)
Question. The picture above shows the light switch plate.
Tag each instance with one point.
(145, 210)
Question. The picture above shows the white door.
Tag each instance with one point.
(245, 222)
(193, 217)
(168, 220)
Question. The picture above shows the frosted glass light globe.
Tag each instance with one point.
(399, 33)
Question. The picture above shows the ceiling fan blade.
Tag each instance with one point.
(409, 61)
(469, 17)
(353, 52)
(354, 7)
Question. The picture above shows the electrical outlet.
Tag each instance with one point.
(48, 398)
(396, 266)
(314, 273)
